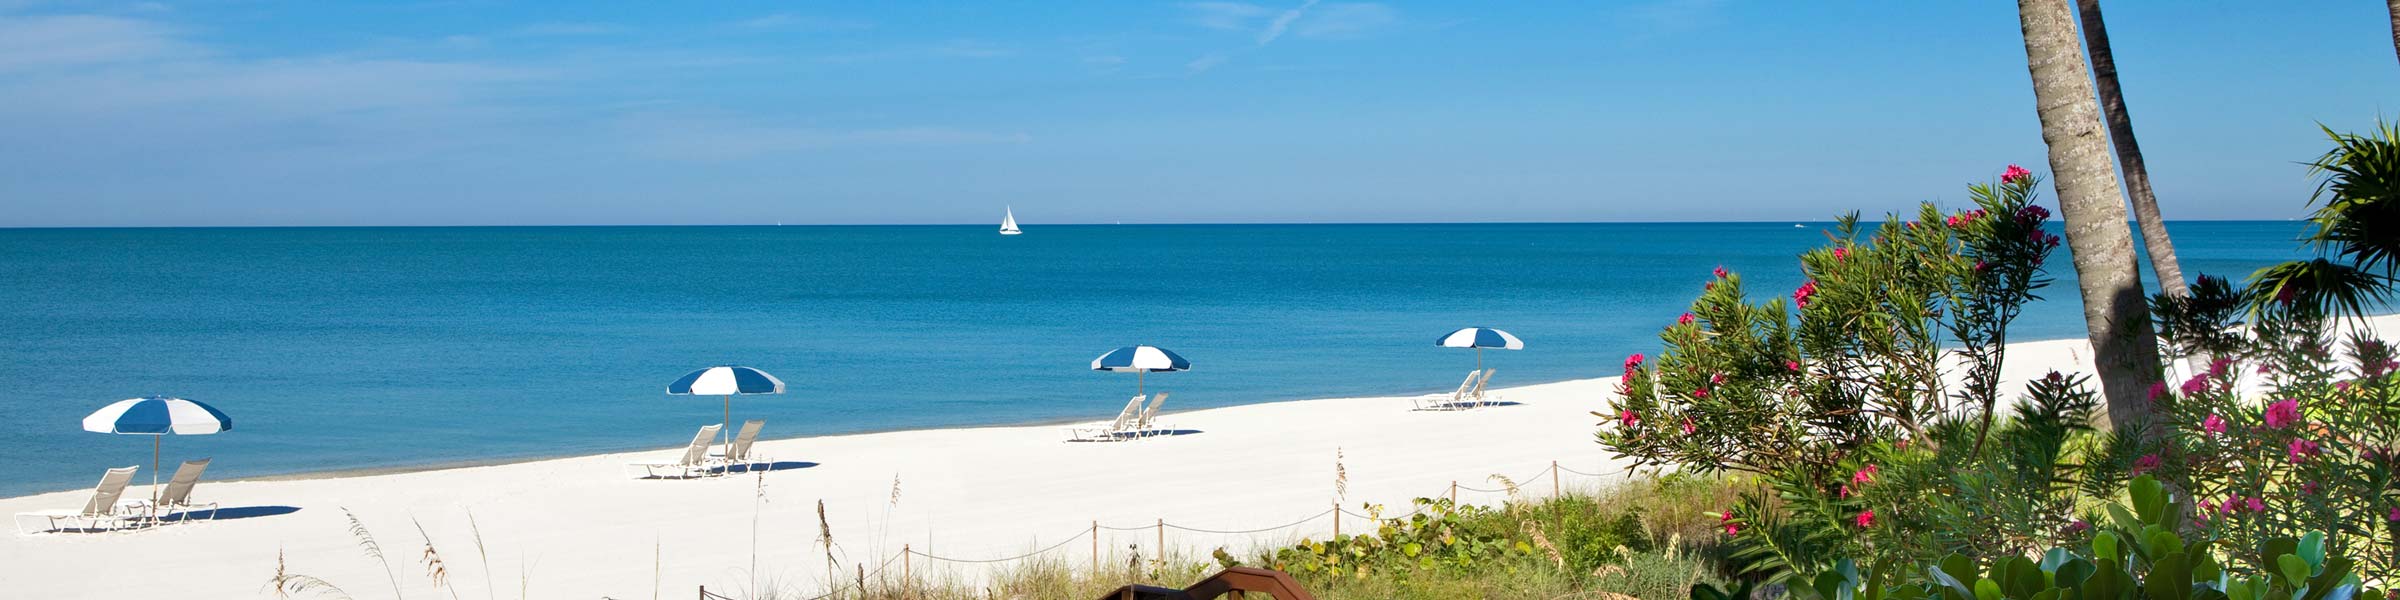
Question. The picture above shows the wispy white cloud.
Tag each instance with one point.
(950, 49)
(1282, 22)
(1204, 63)
(712, 137)
(1229, 16)
(567, 29)
(800, 22)
(1347, 20)
(40, 42)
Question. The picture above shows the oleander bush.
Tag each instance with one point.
(1869, 409)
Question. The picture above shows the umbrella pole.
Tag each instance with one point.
(1479, 358)
(726, 428)
(1138, 389)
(154, 441)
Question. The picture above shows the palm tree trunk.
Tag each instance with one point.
(2129, 152)
(2115, 315)
(2395, 24)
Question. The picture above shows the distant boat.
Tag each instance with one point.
(1008, 224)
(1798, 225)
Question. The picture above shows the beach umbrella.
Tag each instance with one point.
(1140, 360)
(157, 416)
(1480, 338)
(727, 381)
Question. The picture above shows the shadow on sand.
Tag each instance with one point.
(1449, 407)
(1138, 436)
(234, 512)
(771, 467)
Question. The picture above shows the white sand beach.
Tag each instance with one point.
(583, 528)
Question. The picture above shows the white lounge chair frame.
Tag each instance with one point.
(741, 451)
(1147, 425)
(177, 498)
(101, 509)
(1455, 400)
(693, 463)
(1115, 429)
(1477, 394)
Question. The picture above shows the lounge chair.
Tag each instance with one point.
(1147, 425)
(177, 498)
(1455, 399)
(738, 452)
(1479, 383)
(101, 509)
(1114, 429)
(693, 463)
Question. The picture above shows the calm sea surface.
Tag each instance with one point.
(364, 348)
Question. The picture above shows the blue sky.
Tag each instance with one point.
(471, 112)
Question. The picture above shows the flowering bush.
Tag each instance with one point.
(2311, 449)
(1843, 405)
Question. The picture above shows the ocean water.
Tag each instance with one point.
(353, 348)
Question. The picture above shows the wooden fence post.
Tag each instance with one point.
(1162, 541)
(908, 572)
(1337, 519)
(1554, 489)
(1454, 491)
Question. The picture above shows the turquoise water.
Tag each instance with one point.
(362, 348)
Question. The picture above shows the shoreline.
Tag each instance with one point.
(445, 465)
(1237, 478)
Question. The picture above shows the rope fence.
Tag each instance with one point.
(907, 555)
(1161, 526)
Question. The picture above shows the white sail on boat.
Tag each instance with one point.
(1008, 224)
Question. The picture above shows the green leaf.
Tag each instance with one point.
(2149, 499)
(2021, 578)
(2073, 573)
(1988, 590)
(2312, 549)
(2170, 578)
(2104, 546)
(2295, 570)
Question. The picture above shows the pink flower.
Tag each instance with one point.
(2309, 488)
(1840, 253)
(1866, 518)
(2195, 385)
(1863, 476)
(2147, 463)
(1806, 291)
(2394, 516)
(1633, 362)
(1731, 527)
(2207, 506)
(1981, 267)
(1716, 378)
(2032, 212)
(2301, 449)
(2256, 505)
(1686, 319)
(2283, 413)
(1793, 365)
(1720, 271)
(1688, 428)
(2014, 174)
(1700, 393)
(2078, 526)
(2233, 504)
(2213, 424)
(1629, 419)
(1844, 492)
(2341, 386)
(2158, 389)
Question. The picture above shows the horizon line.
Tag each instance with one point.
(1057, 224)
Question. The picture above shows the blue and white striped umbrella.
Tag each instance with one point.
(1140, 360)
(727, 381)
(157, 416)
(1480, 338)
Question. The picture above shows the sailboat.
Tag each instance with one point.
(1008, 224)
